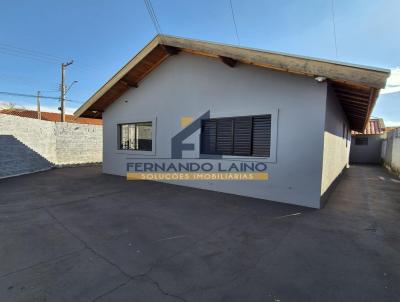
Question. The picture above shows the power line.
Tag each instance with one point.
(30, 51)
(26, 56)
(334, 26)
(153, 16)
(234, 22)
(82, 67)
(24, 80)
(25, 53)
(34, 96)
(149, 11)
(51, 90)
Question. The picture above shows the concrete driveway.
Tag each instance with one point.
(74, 234)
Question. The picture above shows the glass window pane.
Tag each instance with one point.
(136, 136)
(144, 136)
(132, 136)
(124, 136)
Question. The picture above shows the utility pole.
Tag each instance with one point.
(39, 114)
(62, 88)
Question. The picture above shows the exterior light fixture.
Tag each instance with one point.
(320, 79)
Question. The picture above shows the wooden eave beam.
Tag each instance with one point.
(336, 71)
(356, 115)
(352, 94)
(171, 50)
(351, 97)
(118, 76)
(355, 106)
(228, 61)
(352, 110)
(348, 100)
(362, 88)
(372, 100)
(353, 102)
(129, 83)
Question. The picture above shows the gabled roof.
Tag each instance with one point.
(357, 87)
(51, 116)
(374, 126)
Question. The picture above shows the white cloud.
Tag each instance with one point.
(392, 124)
(7, 105)
(393, 82)
(50, 109)
(68, 110)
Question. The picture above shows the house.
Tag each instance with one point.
(366, 146)
(51, 116)
(187, 100)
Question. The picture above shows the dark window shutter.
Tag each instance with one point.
(225, 136)
(261, 135)
(242, 136)
(208, 136)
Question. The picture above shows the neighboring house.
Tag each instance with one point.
(51, 116)
(294, 113)
(366, 146)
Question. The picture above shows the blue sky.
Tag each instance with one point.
(36, 36)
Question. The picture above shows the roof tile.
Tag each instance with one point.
(374, 126)
(51, 116)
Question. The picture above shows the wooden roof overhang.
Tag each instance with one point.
(357, 87)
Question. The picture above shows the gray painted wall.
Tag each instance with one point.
(336, 142)
(367, 154)
(186, 85)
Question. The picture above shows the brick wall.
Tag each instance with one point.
(30, 145)
(78, 143)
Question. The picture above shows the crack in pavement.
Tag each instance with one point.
(110, 291)
(126, 274)
(145, 274)
(57, 258)
(86, 244)
(123, 272)
(240, 273)
(149, 279)
(163, 291)
(157, 284)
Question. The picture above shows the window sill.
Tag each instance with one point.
(239, 157)
(135, 152)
